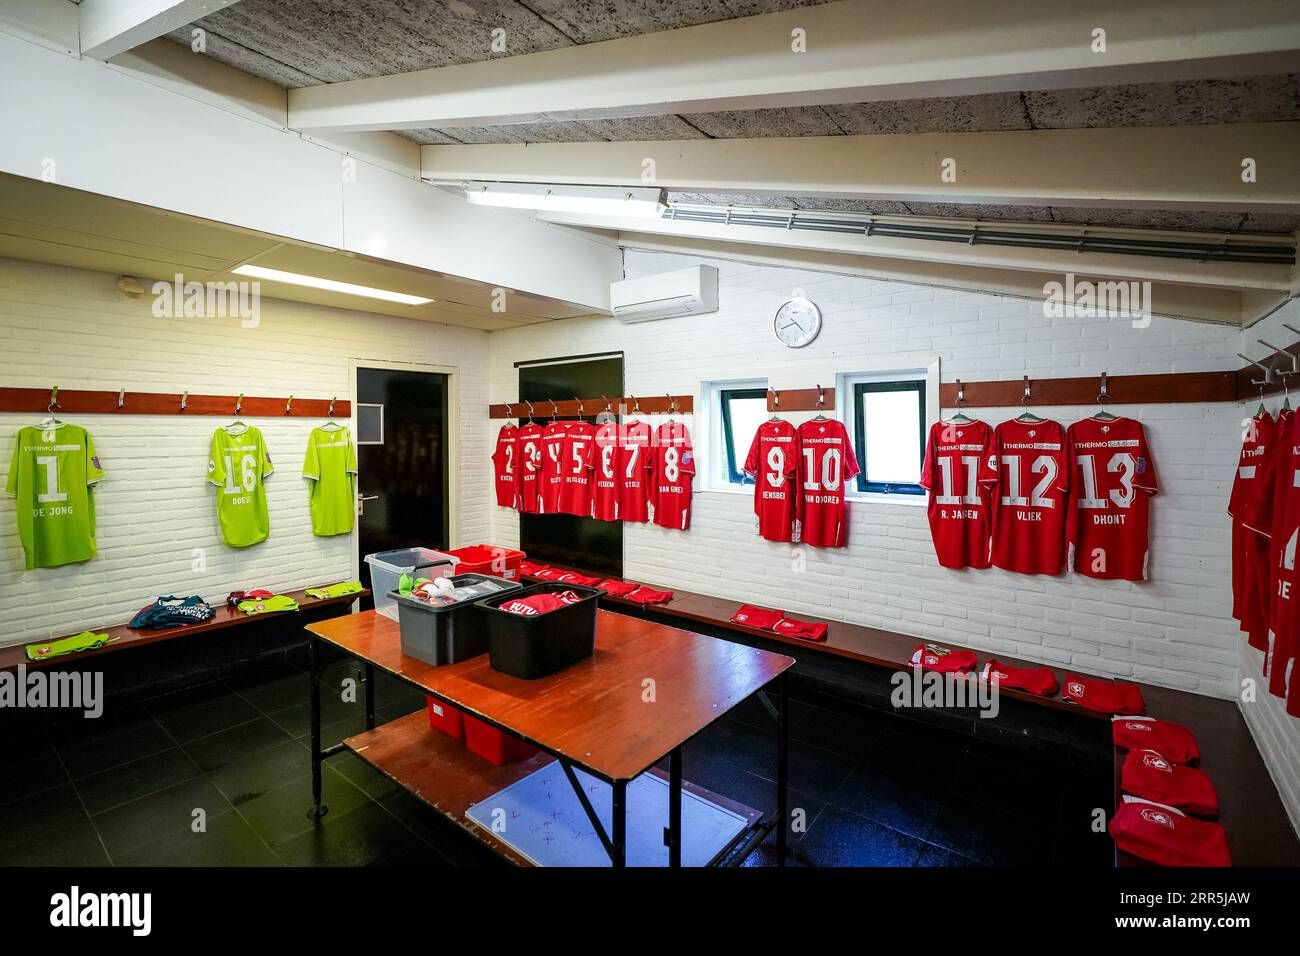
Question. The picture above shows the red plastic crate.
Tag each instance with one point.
(493, 745)
(448, 719)
(489, 559)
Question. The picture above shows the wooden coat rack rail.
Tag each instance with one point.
(1160, 389)
(127, 402)
(590, 407)
(801, 400)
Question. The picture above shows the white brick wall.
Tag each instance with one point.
(72, 328)
(1173, 630)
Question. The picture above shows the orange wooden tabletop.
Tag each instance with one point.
(603, 713)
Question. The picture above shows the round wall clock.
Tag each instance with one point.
(797, 322)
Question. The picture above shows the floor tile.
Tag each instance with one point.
(838, 838)
(167, 813)
(193, 723)
(131, 781)
(96, 750)
(991, 836)
(252, 775)
(844, 735)
(33, 816)
(356, 838)
(281, 814)
(1022, 786)
(899, 800)
(39, 773)
(236, 743)
(939, 856)
(228, 841)
(74, 845)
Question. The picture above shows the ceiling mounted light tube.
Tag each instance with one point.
(598, 200)
(330, 285)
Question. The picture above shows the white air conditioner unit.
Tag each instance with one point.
(692, 291)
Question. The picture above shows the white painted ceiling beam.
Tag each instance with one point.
(1179, 167)
(110, 27)
(856, 51)
(1232, 275)
(1194, 303)
(154, 146)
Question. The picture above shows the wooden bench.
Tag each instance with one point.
(1250, 809)
(129, 637)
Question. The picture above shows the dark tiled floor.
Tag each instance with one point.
(220, 775)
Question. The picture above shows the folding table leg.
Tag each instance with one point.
(619, 839)
(675, 808)
(782, 777)
(318, 810)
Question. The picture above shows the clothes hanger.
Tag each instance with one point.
(237, 427)
(582, 409)
(672, 409)
(1103, 396)
(960, 418)
(50, 422)
(776, 404)
(1027, 417)
(530, 413)
(606, 415)
(331, 425)
(821, 403)
(555, 412)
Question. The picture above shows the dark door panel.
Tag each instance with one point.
(568, 539)
(403, 482)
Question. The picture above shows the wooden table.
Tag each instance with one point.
(592, 715)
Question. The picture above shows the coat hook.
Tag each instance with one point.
(1024, 399)
(582, 409)
(961, 393)
(508, 412)
(1103, 396)
(1268, 370)
(121, 398)
(530, 410)
(555, 409)
(636, 405)
(185, 400)
(821, 396)
(330, 413)
(239, 405)
(54, 399)
(776, 398)
(288, 406)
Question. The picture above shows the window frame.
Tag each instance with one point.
(858, 389)
(733, 472)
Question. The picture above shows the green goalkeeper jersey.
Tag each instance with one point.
(237, 465)
(53, 474)
(331, 468)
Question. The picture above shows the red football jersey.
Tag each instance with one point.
(773, 461)
(633, 454)
(554, 436)
(609, 478)
(579, 454)
(505, 466)
(1026, 469)
(826, 465)
(671, 467)
(956, 456)
(1283, 608)
(530, 468)
(1112, 481)
(1250, 591)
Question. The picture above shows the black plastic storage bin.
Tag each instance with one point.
(448, 634)
(531, 647)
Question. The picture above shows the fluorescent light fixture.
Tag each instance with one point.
(600, 200)
(347, 288)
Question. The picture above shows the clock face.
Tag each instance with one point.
(797, 322)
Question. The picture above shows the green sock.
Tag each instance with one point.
(85, 641)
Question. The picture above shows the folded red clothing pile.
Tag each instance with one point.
(767, 619)
(1172, 741)
(932, 657)
(1148, 775)
(1103, 696)
(760, 617)
(617, 588)
(1035, 680)
(645, 595)
(804, 630)
(537, 604)
(530, 568)
(549, 574)
(1164, 836)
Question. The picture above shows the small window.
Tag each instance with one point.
(743, 410)
(889, 436)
